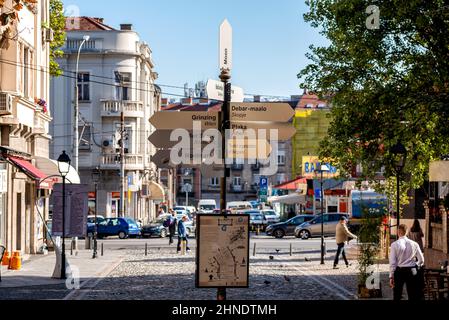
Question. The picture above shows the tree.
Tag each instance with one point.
(57, 24)
(385, 85)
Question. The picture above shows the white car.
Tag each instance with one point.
(270, 216)
(207, 205)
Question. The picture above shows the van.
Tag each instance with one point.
(239, 205)
(207, 205)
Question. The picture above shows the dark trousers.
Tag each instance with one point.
(179, 243)
(171, 236)
(413, 282)
(340, 250)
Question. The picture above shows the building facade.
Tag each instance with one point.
(25, 114)
(115, 74)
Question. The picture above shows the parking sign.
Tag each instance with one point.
(263, 183)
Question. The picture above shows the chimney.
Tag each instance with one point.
(187, 101)
(126, 27)
(257, 98)
(164, 101)
(100, 20)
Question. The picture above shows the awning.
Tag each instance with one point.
(293, 185)
(156, 191)
(50, 168)
(32, 172)
(439, 171)
(294, 198)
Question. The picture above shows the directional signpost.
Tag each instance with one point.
(285, 131)
(273, 112)
(175, 119)
(215, 91)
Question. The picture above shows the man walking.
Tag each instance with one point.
(182, 233)
(172, 226)
(406, 258)
(342, 235)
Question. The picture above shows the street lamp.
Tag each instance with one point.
(322, 168)
(64, 168)
(76, 115)
(400, 156)
(96, 173)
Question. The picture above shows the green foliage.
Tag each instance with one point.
(57, 23)
(385, 85)
(369, 239)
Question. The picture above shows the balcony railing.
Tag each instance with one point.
(132, 161)
(236, 188)
(113, 108)
(237, 167)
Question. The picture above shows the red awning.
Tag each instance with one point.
(32, 172)
(292, 185)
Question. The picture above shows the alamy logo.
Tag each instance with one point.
(373, 20)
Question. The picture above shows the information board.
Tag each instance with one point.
(222, 259)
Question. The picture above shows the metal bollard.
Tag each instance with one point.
(146, 249)
(102, 249)
(254, 250)
(183, 247)
(71, 248)
(291, 250)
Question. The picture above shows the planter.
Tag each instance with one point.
(365, 293)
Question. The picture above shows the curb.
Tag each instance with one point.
(91, 283)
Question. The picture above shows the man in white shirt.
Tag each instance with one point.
(405, 259)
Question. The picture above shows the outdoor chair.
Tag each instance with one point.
(2, 252)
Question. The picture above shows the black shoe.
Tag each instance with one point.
(335, 267)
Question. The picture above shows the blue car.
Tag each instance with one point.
(121, 227)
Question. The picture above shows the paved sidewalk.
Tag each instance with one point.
(34, 280)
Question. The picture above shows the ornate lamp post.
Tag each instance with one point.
(96, 174)
(64, 168)
(400, 156)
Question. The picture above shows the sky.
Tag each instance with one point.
(270, 39)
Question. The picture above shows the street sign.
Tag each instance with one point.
(285, 130)
(248, 149)
(162, 159)
(187, 188)
(225, 46)
(160, 139)
(215, 91)
(263, 183)
(273, 112)
(223, 251)
(184, 120)
(76, 210)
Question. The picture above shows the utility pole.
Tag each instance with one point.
(122, 163)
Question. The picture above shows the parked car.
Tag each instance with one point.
(256, 218)
(270, 216)
(187, 208)
(218, 211)
(312, 228)
(156, 227)
(91, 224)
(287, 228)
(121, 227)
(255, 204)
(239, 205)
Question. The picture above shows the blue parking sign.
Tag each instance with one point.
(263, 183)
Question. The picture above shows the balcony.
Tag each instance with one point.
(237, 167)
(132, 162)
(131, 109)
(236, 188)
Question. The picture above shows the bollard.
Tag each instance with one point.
(71, 248)
(254, 250)
(146, 249)
(102, 249)
(15, 263)
(291, 250)
(257, 231)
(6, 258)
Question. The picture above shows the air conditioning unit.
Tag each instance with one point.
(48, 35)
(107, 145)
(6, 101)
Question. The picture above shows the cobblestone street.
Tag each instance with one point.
(167, 276)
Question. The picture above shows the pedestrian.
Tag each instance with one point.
(172, 223)
(342, 235)
(416, 234)
(182, 233)
(406, 260)
(160, 212)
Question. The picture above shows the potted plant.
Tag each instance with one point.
(369, 248)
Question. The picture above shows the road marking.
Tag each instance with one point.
(81, 292)
(334, 287)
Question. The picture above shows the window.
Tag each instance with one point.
(281, 158)
(26, 58)
(237, 181)
(85, 141)
(83, 86)
(280, 178)
(123, 89)
(128, 138)
(215, 181)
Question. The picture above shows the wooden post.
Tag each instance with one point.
(102, 251)
(254, 250)
(146, 249)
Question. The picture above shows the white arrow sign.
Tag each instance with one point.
(225, 46)
(215, 91)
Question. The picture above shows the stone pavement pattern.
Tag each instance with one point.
(164, 275)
